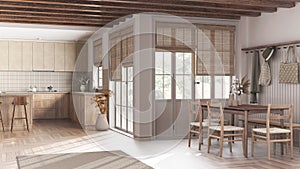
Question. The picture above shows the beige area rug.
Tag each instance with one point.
(95, 160)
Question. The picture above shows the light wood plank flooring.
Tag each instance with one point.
(52, 137)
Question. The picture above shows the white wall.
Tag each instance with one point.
(281, 26)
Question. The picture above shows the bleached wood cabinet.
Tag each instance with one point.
(4, 55)
(70, 56)
(51, 106)
(15, 56)
(33, 55)
(59, 53)
(38, 56)
(85, 109)
(27, 56)
(49, 56)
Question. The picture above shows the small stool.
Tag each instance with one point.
(1, 118)
(19, 101)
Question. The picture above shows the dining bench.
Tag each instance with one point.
(296, 126)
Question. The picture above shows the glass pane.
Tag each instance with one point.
(118, 93)
(167, 87)
(167, 63)
(130, 73)
(124, 94)
(118, 117)
(187, 87)
(159, 89)
(218, 87)
(130, 94)
(159, 61)
(179, 87)
(124, 73)
(130, 120)
(206, 87)
(124, 118)
(179, 63)
(187, 63)
(226, 87)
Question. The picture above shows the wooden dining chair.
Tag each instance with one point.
(196, 120)
(221, 131)
(275, 135)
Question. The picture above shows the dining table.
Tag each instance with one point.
(246, 110)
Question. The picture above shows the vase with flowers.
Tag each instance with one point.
(101, 100)
(237, 89)
(84, 80)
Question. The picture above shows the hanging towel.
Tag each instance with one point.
(255, 88)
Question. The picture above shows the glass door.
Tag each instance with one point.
(124, 101)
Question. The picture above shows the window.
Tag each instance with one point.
(183, 75)
(100, 77)
(163, 78)
(121, 51)
(210, 60)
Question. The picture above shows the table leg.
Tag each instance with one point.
(246, 134)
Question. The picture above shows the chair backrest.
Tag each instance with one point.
(215, 111)
(276, 113)
(194, 110)
(20, 100)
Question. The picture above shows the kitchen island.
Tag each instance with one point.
(7, 110)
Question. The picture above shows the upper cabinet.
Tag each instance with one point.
(70, 56)
(27, 56)
(32, 56)
(38, 56)
(59, 54)
(15, 55)
(4, 55)
(49, 56)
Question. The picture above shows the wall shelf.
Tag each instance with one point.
(271, 45)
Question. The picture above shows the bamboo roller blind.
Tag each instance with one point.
(98, 52)
(121, 51)
(213, 45)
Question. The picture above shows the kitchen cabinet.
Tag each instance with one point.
(59, 53)
(15, 56)
(86, 109)
(4, 55)
(70, 56)
(50, 106)
(49, 56)
(38, 56)
(43, 56)
(27, 56)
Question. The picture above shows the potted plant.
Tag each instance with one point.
(101, 100)
(84, 80)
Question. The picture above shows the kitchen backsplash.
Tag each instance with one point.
(21, 81)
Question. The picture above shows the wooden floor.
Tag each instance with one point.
(54, 137)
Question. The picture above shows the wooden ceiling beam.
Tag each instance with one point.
(269, 3)
(51, 17)
(45, 22)
(156, 4)
(134, 8)
(63, 15)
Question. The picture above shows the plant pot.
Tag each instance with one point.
(101, 123)
(82, 88)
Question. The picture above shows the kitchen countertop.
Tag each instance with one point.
(28, 93)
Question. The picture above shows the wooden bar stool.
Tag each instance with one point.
(19, 101)
(1, 118)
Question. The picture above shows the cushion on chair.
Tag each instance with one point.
(273, 130)
(227, 128)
